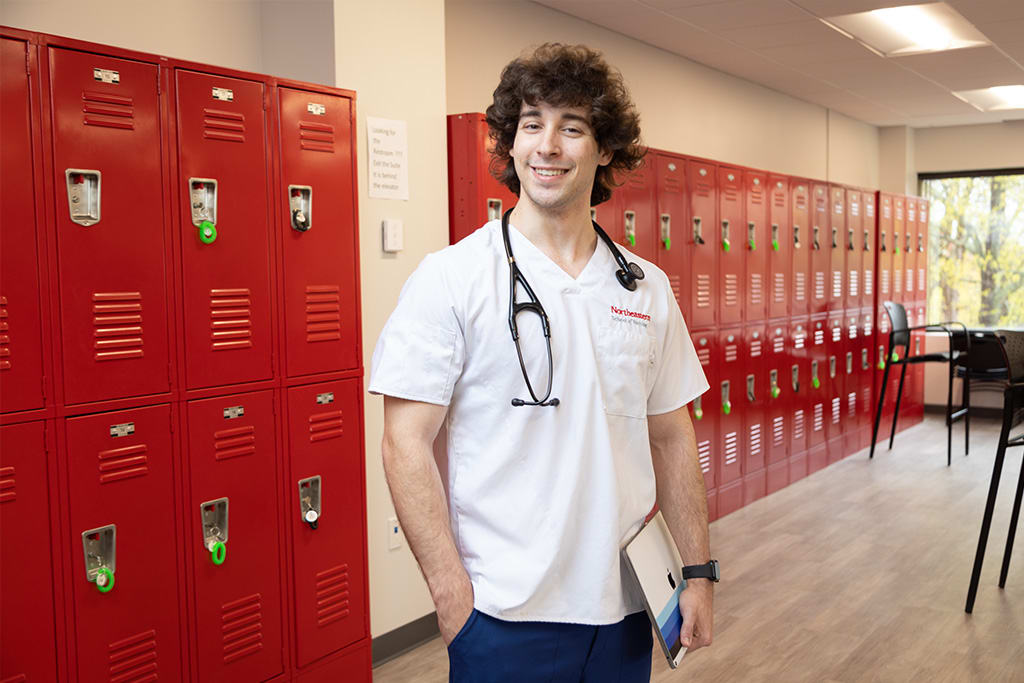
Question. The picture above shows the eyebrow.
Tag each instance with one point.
(567, 116)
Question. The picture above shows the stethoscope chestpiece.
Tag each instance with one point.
(628, 278)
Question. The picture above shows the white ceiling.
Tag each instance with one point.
(781, 44)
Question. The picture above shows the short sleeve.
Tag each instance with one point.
(420, 352)
(680, 377)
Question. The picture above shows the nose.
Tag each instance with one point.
(549, 143)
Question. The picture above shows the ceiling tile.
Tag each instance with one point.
(929, 106)
(1014, 50)
(1004, 31)
(834, 8)
(740, 13)
(669, 5)
(988, 11)
(835, 50)
(774, 35)
(965, 69)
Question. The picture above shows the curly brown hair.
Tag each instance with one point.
(567, 76)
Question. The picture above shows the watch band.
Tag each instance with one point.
(708, 570)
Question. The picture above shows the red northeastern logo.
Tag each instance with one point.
(626, 313)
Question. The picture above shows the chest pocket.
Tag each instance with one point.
(625, 364)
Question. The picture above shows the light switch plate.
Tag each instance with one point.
(391, 229)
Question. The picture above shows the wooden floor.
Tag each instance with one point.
(857, 573)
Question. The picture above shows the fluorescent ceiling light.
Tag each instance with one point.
(910, 29)
(998, 98)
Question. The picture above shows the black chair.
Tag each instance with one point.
(959, 348)
(985, 366)
(1013, 415)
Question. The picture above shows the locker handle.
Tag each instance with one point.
(630, 222)
(751, 227)
(218, 553)
(851, 247)
(835, 238)
(849, 362)
(750, 389)
(796, 378)
(881, 358)
(698, 237)
(882, 247)
(832, 367)
(864, 359)
(796, 236)
(775, 236)
(104, 580)
(920, 242)
(666, 230)
(698, 411)
(816, 244)
(895, 242)
(815, 382)
(726, 403)
(867, 241)
(725, 236)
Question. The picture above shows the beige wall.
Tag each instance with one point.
(970, 148)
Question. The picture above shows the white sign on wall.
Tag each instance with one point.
(388, 153)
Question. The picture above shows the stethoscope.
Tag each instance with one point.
(627, 275)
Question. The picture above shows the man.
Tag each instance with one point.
(523, 559)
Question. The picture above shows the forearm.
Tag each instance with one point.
(680, 492)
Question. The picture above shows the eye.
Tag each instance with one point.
(530, 125)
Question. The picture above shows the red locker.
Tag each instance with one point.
(778, 397)
(898, 227)
(731, 445)
(882, 324)
(820, 248)
(799, 399)
(853, 376)
(910, 294)
(756, 245)
(818, 391)
(869, 231)
(222, 180)
(885, 225)
(779, 247)
(319, 254)
(922, 250)
(27, 631)
(854, 242)
(701, 244)
(704, 408)
(121, 511)
(237, 632)
(328, 553)
(110, 226)
(800, 301)
(609, 216)
(352, 666)
(731, 261)
(918, 347)
(755, 398)
(474, 195)
(638, 206)
(839, 242)
(866, 383)
(835, 380)
(21, 332)
(670, 173)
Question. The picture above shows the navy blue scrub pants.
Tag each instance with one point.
(489, 650)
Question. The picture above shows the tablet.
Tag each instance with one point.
(656, 566)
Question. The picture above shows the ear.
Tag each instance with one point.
(605, 157)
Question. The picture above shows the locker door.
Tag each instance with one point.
(866, 362)
(730, 244)
(107, 159)
(798, 402)
(882, 325)
(818, 391)
(702, 245)
(853, 375)
(26, 601)
(922, 250)
(779, 247)
(609, 216)
(222, 159)
(638, 207)
(869, 230)
(731, 444)
(474, 195)
(120, 489)
(854, 242)
(778, 394)
(756, 244)
(884, 242)
(800, 301)
(231, 465)
(754, 401)
(898, 226)
(835, 345)
(670, 172)
(328, 552)
(838, 242)
(21, 341)
(910, 253)
(918, 346)
(319, 256)
(704, 409)
(821, 251)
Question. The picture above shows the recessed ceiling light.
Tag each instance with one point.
(998, 98)
(910, 29)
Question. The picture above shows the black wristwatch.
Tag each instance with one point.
(702, 571)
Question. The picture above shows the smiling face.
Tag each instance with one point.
(556, 156)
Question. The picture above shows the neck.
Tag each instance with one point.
(565, 235)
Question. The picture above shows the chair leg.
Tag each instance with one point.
(1014, 517)
(896, 411)
(949, 418)
(966, 403)
(990, 504)
(878, 412)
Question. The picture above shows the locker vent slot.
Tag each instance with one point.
(798, 425)
(704, 356)
(7, 485)
(316, 137)
(677, 287)
(798, 340)
(332, 595)
(704, 455)
(920, 279)
(755, 348)
(779, 288)
(756, 289)
(703, 290)
(5, 337)
(837, 333)
(910, 281)
(837, 284)
(730, 193)
(638, 180)
(673, 182)
(819, 417)
(819, 337)
(897, 282)
(732, 452)
(778, 431)
(111, 111)
(779, 344)
(117, 319)
(837, 409)
(885, 282)
(854, 282)
(323, 313)
(799, 286)
(732, 352)
(754, 445)
(228, 126)
(731, 290)
(851, 404)
(324, 426)
(867, 327)
(234, 443)
(819, 284)
(231, 319)
(865, 398)
(242, 627)
(123, 463)
(133, 659)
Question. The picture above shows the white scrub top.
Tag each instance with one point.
(541, 499)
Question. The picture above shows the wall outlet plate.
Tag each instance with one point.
(394, 534)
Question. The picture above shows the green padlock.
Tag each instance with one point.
(753, 247)
(727, 407)
(775, 245)
(104, 580)
(895, 357)
(698, 413)
(881, 365)
(668, 243)
(775, 392)
(815, 383)
(725, 245)
(218, 553)
(632, 240)
(207, 232)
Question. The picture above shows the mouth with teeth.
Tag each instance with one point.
(550, 172)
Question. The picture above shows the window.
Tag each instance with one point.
(976, 247)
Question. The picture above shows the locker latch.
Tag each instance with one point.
(815, 382)
(895, 242)
(917, 346)
(726, 403)
(83, 195)
(214, 514)
(835, 238)
(666, 230)
(309, 501)
(203, 198)
(630, 223)
(775, 236)
(773, 378)
(850, 236)
(750, 389)
(920, 242)
(751, 227)
(906, 242)
(832, 367)
(796, 236)
(494, 210)
(100, 548)
(849, 362)
(698, 411)
(867, 241)
(300, 204)
(881, 357)
(882, 246)
(816, 244)
(698, 236)
(796, 378)
(725, 235)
